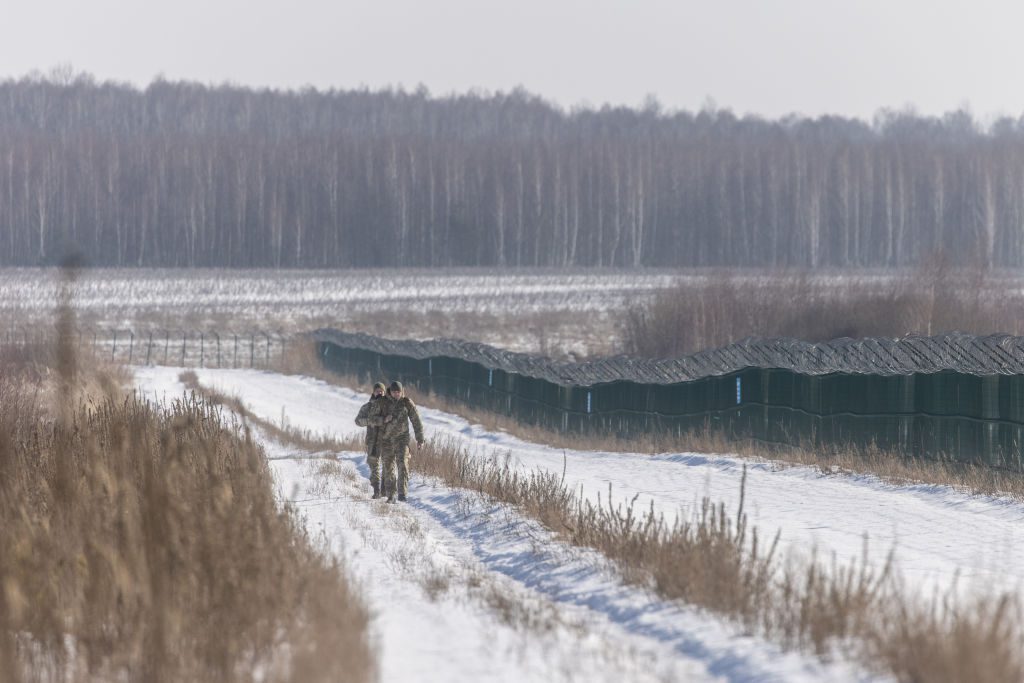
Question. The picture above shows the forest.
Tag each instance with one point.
(182, 174)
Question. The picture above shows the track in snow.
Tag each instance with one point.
(939, 535)
(454, 580)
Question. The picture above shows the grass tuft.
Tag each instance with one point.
(716, 561)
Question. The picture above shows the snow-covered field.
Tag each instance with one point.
(433, 570)
(554, 312)
(549, 311)
(305, 293)
(118, 296)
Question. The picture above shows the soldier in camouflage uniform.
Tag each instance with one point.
(399, 411)
(369, 416)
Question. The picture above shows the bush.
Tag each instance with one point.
(722, 308)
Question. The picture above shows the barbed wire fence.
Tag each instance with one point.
(184, 347)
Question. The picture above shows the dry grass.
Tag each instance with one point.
(149, 546)
(300, 358)
(725, 308)
(716, 561)
(146, 544)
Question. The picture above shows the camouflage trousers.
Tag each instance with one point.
(373, 462)
(396, 457)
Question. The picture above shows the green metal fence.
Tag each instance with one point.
(964, 416)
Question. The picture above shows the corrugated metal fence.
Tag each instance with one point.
(965, 406)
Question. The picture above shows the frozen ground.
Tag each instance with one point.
(526, 310)
(578, 312)
(463, 590)
(333, 293)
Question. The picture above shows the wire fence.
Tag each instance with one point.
(175, 347)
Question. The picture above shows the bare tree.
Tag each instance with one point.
(181, 174)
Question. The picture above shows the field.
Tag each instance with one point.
(462, 558)
(554, 312)
(564, 314)
(519, 557)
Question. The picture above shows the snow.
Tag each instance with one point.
(566, 312)
(465, 590)
(118, 295)
(557, 311)
(938, 535)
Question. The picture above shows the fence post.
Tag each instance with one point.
(113, 348)
(202, 348)
(234, 358)
(267, 363)
(167, 344)
(149, 347)
(183, 348)
(217, 336)
(131, 346)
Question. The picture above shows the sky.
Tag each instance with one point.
(768, 57)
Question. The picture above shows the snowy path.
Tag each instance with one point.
(938, 534)
(462, 590)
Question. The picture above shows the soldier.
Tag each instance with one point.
(370, 417)
(399, 411)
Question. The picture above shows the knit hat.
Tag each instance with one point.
(379, 385)
(396, 386)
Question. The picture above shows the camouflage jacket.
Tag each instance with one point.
(367, 417)
(402, 412)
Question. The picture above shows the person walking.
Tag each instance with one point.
(370, 417)
(398, 412)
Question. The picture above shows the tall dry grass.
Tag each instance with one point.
(144, 543)
(727, 307)
(147, 546)
(717, 561)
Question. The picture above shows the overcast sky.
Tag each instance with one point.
(769, 57)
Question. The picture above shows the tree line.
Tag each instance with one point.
(184, 174)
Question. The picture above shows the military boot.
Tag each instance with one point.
(376, 491)
(401, 497)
